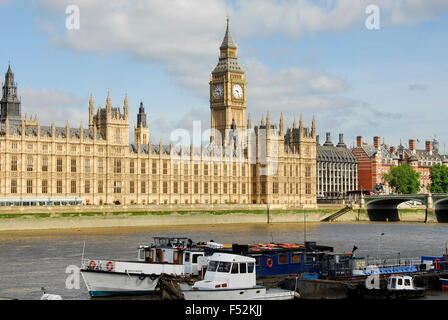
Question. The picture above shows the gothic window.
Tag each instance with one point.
(205, 169)
(131, 186)
(186, 169)
(117, 136)
(131, 167)
(44, 164)
(154, 187)
(100, 186)
(14, 163)
(154, 167)
(175, 187)
(143, 167)
(176, 169)
(44, 186)
(186, 187)
(73, 165)
(29, 186)
(196, 187)
(215, 188)
(224, 188)
(117, 186)
(206, 188)
(100, 166)
(234, 187)
(308, 188)
(275, 187)
(142, 187)
(165, 167)
(59, 186)
(243, 188)
(196, 169)
(73, 186)
(165, 187)
(87, 186)
(117, 166)
(14, 186)
(87, 166)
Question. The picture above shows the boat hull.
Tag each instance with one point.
(102, 284)
(256, 293)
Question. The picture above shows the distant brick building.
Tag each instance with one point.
(375, 160)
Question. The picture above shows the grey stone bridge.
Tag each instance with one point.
(385, 207)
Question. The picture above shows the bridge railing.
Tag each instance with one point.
(393, 262)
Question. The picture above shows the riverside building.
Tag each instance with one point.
(267, 163)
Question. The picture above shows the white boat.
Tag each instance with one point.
(171, 256)
(232, 277)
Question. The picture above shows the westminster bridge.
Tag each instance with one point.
(385, 207)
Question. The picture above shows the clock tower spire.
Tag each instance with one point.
(227, 91)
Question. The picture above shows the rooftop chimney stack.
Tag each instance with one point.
(359, 141)
(341, 141)
(429, 146)
(412, 145)
(377, 142)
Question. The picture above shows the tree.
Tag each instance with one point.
(439, 178)
(403, 179)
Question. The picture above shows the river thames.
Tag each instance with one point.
(34, 259)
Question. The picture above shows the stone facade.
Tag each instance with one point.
(263, 164)
(337, 170)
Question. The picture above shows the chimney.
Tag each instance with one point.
(428, 146)
(341, 141)
(377, 142)
(328, 141)
(359, 141)
(412, 145)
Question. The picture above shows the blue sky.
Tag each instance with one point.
(301, 57)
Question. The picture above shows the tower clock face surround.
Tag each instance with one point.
(218, 91)
(237, 91)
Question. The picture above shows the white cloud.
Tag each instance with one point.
(184, 35)
(54, 105)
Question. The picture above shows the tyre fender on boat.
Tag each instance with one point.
(269, 263)
(141, 277)
(153, 276)
(92, 264)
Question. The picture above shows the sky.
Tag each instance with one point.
(302, 58)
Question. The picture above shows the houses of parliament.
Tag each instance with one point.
(266, 163)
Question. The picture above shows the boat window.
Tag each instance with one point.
(257, 260)
(295, 257)
(394, 281)
(212, 266)
(243, 268)
(250, 267)
(400, 282)
(141, 254)
(224, 266)
(195, 258)
(235, 268)
(283, 258)
(187, 256)
(407, 282)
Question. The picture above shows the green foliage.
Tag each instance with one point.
(439, 178)
(403, 179)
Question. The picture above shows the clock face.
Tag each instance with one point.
(218, 91)
(237, 91)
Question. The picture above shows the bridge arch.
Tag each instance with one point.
(440, 204)
(385, 207)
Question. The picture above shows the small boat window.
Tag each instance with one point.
(224, 266)
(212, 266)
(235, 268)
(283, 258)
(141, 254)
(394, 282)
(187, 256)
(400, 282)
(250, 267)
(195, 257)
(407, 282)
(295, 257)
(243, 268)
(257, 260)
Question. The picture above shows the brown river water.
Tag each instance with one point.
(30, 260)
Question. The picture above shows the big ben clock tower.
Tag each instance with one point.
(227, 91)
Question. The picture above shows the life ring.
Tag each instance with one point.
(269, 263)
(152, 276)
(142, 277)
(110, 266)
(92, 264)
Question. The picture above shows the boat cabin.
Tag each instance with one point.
(173, 251)
(228, 271)
(400, 283)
